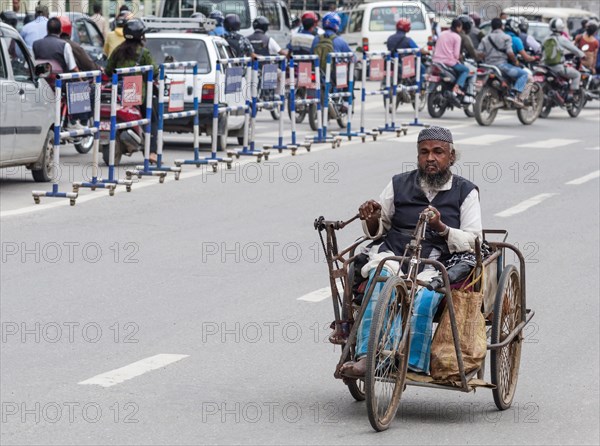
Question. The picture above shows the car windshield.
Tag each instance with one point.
(188, 7)
(179, 50)
(385, 18)
(539, 31)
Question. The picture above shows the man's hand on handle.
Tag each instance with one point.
(370, 211)
(435, 219)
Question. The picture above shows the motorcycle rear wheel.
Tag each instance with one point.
(483, 102)
(436, 104)
(527, 115)
(577, 104)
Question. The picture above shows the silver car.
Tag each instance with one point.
(26, 108)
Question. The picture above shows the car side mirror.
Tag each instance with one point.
(431, 16)
(43, 70)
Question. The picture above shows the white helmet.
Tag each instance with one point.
(557, 25)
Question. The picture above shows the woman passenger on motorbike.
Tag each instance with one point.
(131, 53)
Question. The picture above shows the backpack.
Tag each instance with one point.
(323, 48)
(552, 51)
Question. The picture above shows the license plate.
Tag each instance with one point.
(433, 78)
(538, 78)
(104, 126)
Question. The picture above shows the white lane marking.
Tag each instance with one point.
(524, 205)
(592, 148)
(132, 370)
(317, 296)
(585, 178)
(484, 140)
(550, 143)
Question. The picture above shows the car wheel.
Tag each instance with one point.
(46, 173)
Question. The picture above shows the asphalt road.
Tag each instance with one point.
(204, 275)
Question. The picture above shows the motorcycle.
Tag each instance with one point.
(338, 108)
(127, 141)
(83, 144)
(494, 95)
(556, 91)
(405, 96)
(440, 82)
(300, 93)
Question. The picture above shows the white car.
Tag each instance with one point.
(26, 109)
(205, 49)
(370, 24)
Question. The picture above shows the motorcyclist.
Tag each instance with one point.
(531, 45)
(588, 39)
(511, 28)
(52, 47)
(302, 40)
(263, 44)
(82, 59)
(498, 51)
(219, 29)
(115, 37)
(401, 41)
(331, 24)
(476, 34)
(447, 52)
(554, 52)
(240, 45)
(132, 53)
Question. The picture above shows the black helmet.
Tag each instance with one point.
(122, 19)
(261, 22)
(232, 22)
(467, 23)
(9, 17)
(512, 24)
(523, 25)
(134, 29)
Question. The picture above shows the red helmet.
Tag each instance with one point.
(403, 25)
(309, 15)
(65, 25)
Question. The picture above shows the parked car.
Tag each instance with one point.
(275, 10)
(539, 30)
(370, 24)
(85, 32)
(182, 47)
(26, 109)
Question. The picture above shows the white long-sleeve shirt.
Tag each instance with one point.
(459, 239)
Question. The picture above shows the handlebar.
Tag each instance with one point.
(321, 224)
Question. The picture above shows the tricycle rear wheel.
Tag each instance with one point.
(504, 362)
(387, 353)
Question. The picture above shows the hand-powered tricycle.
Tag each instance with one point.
(504, 310)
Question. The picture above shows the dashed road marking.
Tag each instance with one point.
(484, 140)
(524, 205)
(550, 143)
(132, 370)
(317, 296)
(585, 178)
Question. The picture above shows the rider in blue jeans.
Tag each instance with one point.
(498, 49)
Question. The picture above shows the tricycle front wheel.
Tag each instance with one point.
(504, 362)
(387, 353)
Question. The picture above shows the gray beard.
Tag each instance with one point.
(434, 181)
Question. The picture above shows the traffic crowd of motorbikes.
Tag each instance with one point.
(460, 68)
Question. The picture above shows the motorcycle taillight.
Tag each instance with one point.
(365, 44)
(208, 92)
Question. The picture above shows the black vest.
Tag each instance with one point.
(410, 201)
(51, 47)
(260, 42)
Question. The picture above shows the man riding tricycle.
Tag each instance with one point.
(429, 295)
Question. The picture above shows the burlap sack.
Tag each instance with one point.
(471, 333)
